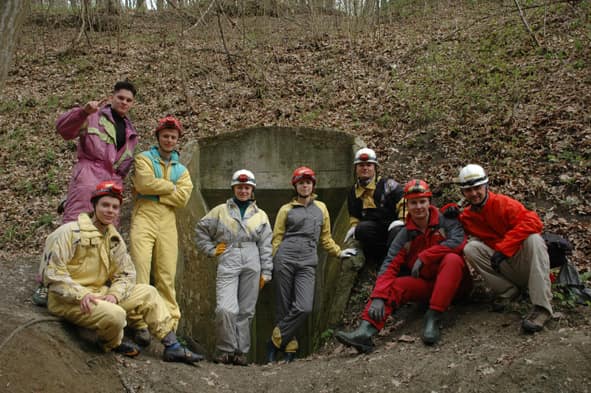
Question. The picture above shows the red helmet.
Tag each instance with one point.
(301, 173)
(417, 189)
(170, 122)
(107, 188)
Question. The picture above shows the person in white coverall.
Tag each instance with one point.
(162, 184)
(239, 234)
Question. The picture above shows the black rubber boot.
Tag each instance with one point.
(431, 333)
(360, 339)
(271, 352)
(290, 357)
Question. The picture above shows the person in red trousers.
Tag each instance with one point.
(430, 246)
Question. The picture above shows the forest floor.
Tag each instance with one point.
(431, 86)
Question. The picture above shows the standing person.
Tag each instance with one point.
(91, 281)
(106, 142)
(374, 204)
(299, 226)
(505, 247)
(162, 184)
(430, 245)
(239, 234)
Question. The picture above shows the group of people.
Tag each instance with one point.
(420, 251)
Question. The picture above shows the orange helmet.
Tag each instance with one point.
(107, 188)
(301, 173)
(417, 189)
(169, 122)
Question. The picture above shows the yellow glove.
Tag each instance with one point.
(219, 249)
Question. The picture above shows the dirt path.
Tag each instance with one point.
(480, 352)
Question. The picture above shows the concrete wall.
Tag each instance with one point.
(272, 154)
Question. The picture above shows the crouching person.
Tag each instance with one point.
(91, 281)
(430, 245)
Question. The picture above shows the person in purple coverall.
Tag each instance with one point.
(106, 144)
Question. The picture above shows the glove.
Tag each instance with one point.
(265, 278)
(377, 310)
(219, 249)
(416, 268)
(348, 252)
(350, 234)
(496, 260)
(451, 210)
(394, 224)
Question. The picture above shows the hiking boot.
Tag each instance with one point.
(271, 352)
(40, 296)
(180, 354)
(503, 303)
(240, 359)
(536, 319)
(142, 337)
(360, 339)
(223, 357)
(128, 348)
(431, 333)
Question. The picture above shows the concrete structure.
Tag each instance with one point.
(272, 154)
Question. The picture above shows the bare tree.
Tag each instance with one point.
(11, 15)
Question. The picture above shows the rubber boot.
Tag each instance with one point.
(431, 333)
(360, 339)
(271, 352)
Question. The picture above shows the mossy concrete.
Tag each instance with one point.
(272, 153)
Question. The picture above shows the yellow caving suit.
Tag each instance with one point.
(82, 260)
(160, 188)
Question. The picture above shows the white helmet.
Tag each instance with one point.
(365, 155)
(471, 176)
(243, 176)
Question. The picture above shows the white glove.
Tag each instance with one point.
(348, 252)
(395, 223)
(350, 234)
(266, 277)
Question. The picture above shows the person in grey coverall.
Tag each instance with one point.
(299, 226)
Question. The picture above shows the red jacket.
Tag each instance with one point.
(502, 223)
(442, 236)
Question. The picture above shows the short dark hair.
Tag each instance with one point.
(125, 85)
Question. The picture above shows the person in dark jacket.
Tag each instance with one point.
(430, 245)
(375, 207)
(300, 225)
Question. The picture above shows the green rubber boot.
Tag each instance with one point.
(431, 333)
(360, 338)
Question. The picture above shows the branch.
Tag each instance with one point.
(521, 14)
(25, 325)
(202, 17)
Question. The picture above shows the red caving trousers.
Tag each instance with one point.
(439, 290)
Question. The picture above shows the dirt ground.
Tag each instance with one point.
(480, 351)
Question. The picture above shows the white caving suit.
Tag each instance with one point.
(81, 260)
(247, 256)
(160, 187)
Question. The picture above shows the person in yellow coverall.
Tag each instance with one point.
(239, 234)
(161, 185)
(91, 281)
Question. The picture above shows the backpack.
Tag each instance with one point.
(559, 248)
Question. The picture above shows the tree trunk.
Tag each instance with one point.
(11, 16)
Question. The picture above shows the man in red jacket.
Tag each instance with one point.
(430, 246)
(505, 246)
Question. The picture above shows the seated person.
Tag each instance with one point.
(91, 281)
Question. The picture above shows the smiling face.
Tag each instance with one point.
(243, 192)
(365, 170)
(107, 209)
(418, 208)
(304, 188)
(475, 195)
(122, 101)
(168, 139)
